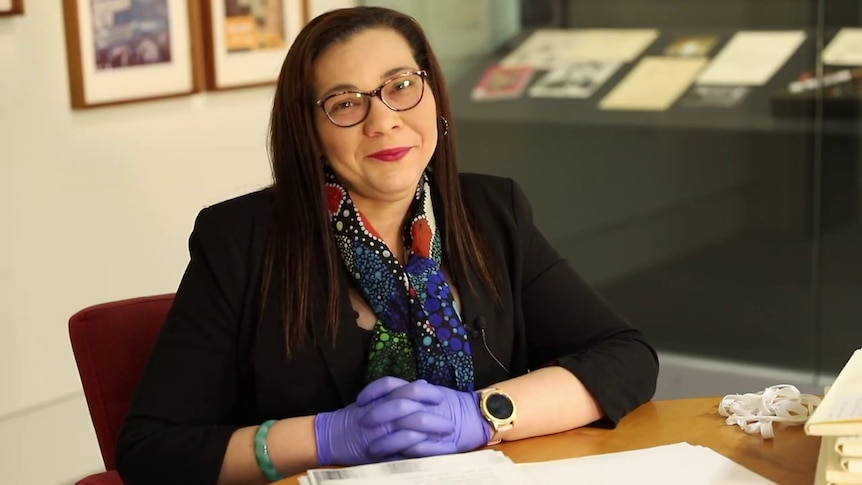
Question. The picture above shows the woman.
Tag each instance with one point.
(373, 304)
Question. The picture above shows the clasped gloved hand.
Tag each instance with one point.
(470, 430)
(346, 437)
(393, 419)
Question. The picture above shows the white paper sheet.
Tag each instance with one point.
(850, 446)
(654, 84)
(577, 79)
(829, 469)
(852, 465)
(544, 49)
(845, 49)
(489, 474)
(550, 48)
(840, 412)
(610, 44)
(676, 464)
(473, 467)
(752, 58)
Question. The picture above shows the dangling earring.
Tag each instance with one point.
(445, 125)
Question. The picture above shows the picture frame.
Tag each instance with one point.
(245, 41)
(11, 7)
(134, 51)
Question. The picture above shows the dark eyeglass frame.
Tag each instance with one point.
(376, 93)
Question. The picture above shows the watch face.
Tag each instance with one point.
(500, 406)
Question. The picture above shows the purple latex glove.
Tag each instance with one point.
(342, 439)
(461, 408)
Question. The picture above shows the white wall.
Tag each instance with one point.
(94, 206)
(317, 7)
(97, 205)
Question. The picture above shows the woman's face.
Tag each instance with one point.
(363, 63)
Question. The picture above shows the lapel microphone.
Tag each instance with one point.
(479, 325)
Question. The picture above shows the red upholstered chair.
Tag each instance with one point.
(112, 343)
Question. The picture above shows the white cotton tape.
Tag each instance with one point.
(756, 412)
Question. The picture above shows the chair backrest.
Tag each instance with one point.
(112, 343)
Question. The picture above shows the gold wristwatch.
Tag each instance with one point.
(499, 410)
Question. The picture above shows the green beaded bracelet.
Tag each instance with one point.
(262, 453)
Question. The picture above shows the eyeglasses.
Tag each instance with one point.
(349, 108)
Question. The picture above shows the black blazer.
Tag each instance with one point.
(213, 370)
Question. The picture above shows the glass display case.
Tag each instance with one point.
(696, 161)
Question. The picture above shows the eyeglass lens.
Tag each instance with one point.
(402, 93)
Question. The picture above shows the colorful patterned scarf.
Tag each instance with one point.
(418, 334)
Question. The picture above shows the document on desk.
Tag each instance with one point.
(829, 467)
(840, 412)
(676, 464)
(752, 58)
(845, 49)
(484, 467)
(654, 84)
(547, 49)
(486, 475)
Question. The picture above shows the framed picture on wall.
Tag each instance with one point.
(132, 50)
(245, 41)
(11, 7)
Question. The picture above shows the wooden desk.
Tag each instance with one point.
(789, 458)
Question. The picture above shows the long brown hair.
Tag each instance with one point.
(301, 252)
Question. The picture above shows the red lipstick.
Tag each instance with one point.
(391, 154)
